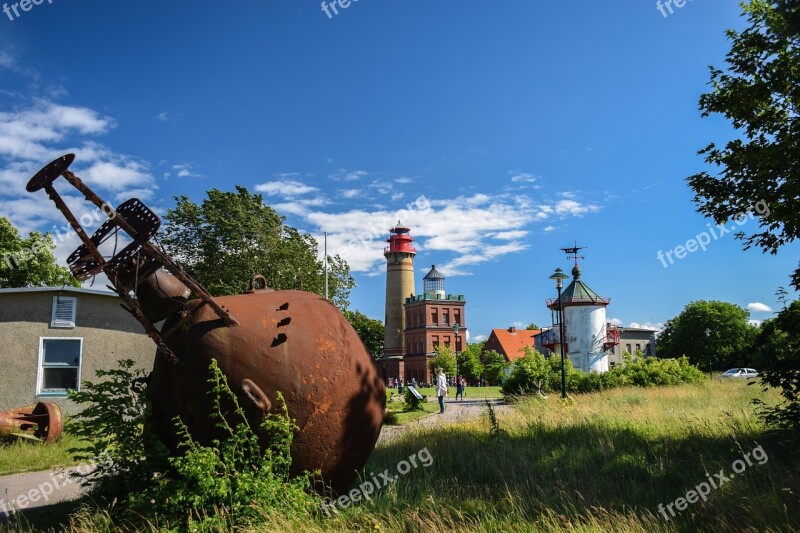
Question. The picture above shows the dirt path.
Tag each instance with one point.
(455, 412)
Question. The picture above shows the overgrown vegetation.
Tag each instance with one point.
(534, 374)
(229, 484)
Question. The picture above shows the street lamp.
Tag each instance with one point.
(559, 278)
(710, 371)
(455, 347)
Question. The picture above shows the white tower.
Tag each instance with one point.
(587, 333)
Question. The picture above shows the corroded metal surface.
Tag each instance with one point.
(265, 341)
(289, 341)
(41, 421)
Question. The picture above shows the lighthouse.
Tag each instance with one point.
(399, 286)
(588, 335)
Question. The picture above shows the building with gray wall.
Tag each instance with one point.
(631, 340)
(52, 339)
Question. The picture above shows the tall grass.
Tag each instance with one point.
(600, 462)
(23, 455)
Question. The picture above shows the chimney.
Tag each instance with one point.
(512, 329)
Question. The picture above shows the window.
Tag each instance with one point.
(613, 349)
(638, 347)
(649, 350)
(628, 348)
(63, 312)
(59, 365)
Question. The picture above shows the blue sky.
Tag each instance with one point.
(500, 134)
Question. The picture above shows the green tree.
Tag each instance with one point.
(233, 235)
(469, 362)
(777, 357)
(494, 364)
(369, 329)
(758, 92)
(532, 326)
(444, 359)
(29, 262)
(711, 334)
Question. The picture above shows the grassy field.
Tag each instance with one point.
(24, 455)
(471, 392)
(600, 462)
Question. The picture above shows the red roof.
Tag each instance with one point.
(511, 342)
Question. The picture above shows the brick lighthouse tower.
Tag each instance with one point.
(399, 286)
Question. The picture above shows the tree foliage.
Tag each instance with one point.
(469, 362)
(709, 333)
(369, 329)
(758, 92)
(494, 364)
(444, 359)
(29, 262)
(231, 236)
(777, 357)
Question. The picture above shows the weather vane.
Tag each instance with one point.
(572, 253)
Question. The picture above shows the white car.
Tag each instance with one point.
(747, 373)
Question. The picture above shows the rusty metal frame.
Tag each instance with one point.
(60, 167)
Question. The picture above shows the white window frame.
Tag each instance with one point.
(54, 323)
(41, 368)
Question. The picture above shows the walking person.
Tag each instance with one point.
(460, 388)
(441, 389)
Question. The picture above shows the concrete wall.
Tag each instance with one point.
(632, 337)
(109, 333)
(586, 333)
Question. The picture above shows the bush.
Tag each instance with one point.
(535, 374)
(412, 402)
(228, 485)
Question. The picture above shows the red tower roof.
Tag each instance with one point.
(400, 240)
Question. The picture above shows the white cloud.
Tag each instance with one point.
(286, 188)
(615, 321)
(163, 117)
(397, 196)
(403, 180)
(647, 325)
(118, 175)
(510, 235)
(345, 175)
(523, 177)
(349, 194)
(480, 338)
(573, 208)
(549, 228)
(474, 229)
(758, 307)
(754, 322)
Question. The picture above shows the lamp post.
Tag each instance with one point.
(710, 371)
(455, 347)
(559, 278)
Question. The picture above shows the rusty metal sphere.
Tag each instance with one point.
(291, 342)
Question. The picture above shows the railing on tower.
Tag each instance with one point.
(612, 337)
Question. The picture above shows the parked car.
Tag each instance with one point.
(746, 373)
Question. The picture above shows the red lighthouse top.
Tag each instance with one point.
(400, 240)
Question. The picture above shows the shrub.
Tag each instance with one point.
(535, 374)
(412, 402)
(228, 485)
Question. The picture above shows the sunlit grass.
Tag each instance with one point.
(23, 455)
(599, 462)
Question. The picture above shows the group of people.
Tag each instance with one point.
(442, 387)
